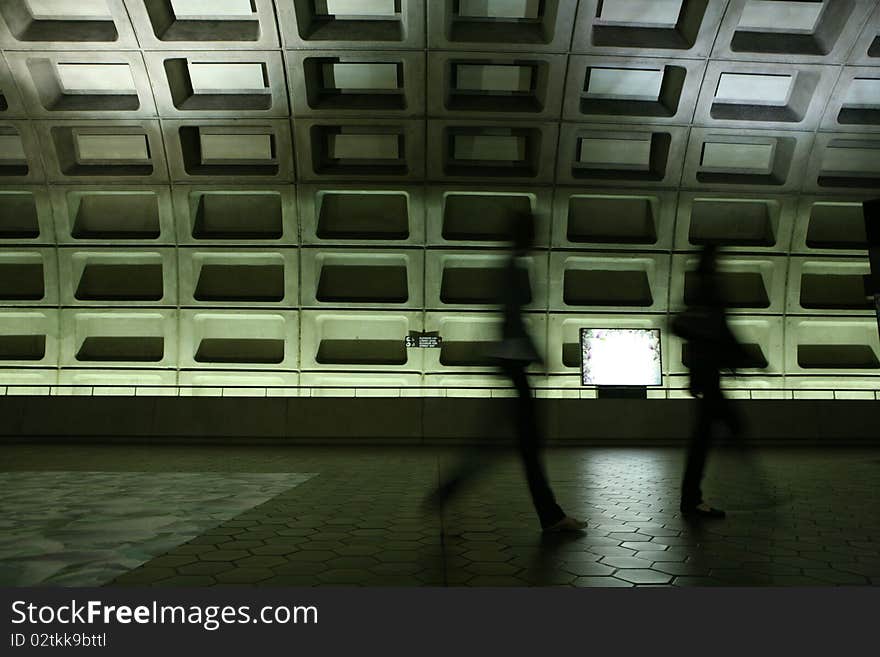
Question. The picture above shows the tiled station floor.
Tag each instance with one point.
(301, 516)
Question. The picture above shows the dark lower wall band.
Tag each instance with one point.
(416, 420)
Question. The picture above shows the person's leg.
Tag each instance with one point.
(698, 449)
(529, 442)
(729, 414)
(711, 410)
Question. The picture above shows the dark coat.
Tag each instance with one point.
(516, 343)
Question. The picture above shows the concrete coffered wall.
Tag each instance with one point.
(223, 193)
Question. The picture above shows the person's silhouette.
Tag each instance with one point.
(513, 354)
(711, 348)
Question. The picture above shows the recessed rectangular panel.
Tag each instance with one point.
(355, 215)
(68, 9)
(485, 77)
(364, 147)
(359, 351)
(11, 149)
(732, 156)
(139, 349)
(112, 78)
(121, 282)
(120, 215)
(836, 356)
(616, 153)
(198, 9)
(18, 216)
(356, 7)
(499, 9)
(863, 92)
(609, 219)
(598, 287)
(731, 222)
(236, 147)
(750, 89)
(775, 16)
(22, 347)
(479, 285)
(465, 353)
(482, 216)
(502, 148)
(829, 291)
(241, 215)
(656, 13)
(226, 77)
(837, 226)
(240, 350)
(625, 83)
(363, 283)
(855, 160)
(741, 289)
(22, 281)
(368, 75)
(751, 356)
(236, 282)
(112, 147)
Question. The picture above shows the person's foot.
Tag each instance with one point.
(702, 510)
(567, 524)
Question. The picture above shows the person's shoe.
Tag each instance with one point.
(702, 510)
(567, 524)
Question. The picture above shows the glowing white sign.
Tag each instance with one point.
(620, 357)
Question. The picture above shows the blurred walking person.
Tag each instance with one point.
(513, 354)
(712, 348)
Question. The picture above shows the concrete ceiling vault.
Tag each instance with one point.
(274, 193)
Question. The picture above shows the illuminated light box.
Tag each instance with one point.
(620, 357)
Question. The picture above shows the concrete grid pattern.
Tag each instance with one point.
(273, 194)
